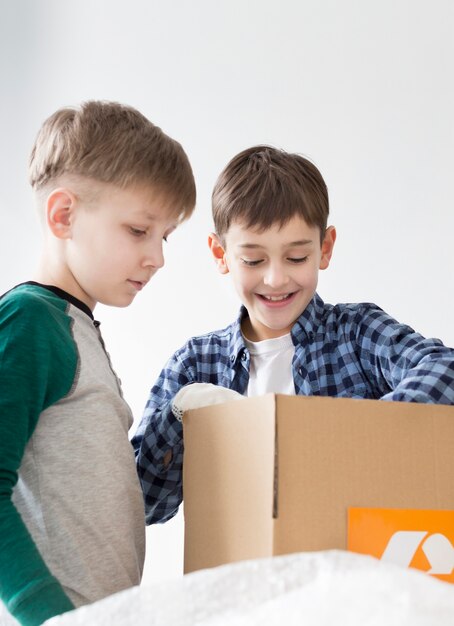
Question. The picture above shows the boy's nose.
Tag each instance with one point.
(275, 276)
(154, 256)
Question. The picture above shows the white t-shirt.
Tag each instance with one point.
(271, 366)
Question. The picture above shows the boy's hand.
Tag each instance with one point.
(197, 395)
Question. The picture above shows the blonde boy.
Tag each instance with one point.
(270, 211)
(110, 187)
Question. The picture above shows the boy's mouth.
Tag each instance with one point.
(276, 299)
(137, 284)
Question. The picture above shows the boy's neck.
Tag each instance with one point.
(47, 273)
(252, 333)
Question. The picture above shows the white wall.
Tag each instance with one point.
(364, 88)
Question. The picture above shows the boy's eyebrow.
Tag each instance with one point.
(144, 214)
(301, 242)
(151, 217)
(292, 244)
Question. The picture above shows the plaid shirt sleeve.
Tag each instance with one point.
(160, 431)
(403, 364)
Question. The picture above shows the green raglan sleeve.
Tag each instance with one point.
(36, 369)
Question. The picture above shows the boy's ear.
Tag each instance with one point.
(60, 206)
(218, 252)
(327, 247)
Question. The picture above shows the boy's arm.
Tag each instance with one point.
(402, 364)
(27, 587)
(158, 443)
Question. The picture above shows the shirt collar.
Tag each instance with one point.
(238, 345)
(304, 327)
(309, 320)
(64, 295)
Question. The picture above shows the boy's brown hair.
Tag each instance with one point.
(112, 143)
(262, 186)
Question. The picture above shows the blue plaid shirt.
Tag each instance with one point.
(347, 350)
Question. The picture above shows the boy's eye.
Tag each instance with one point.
(251, 263)
(297, 260)
(137, 232)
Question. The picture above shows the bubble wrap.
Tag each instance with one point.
(310, 589)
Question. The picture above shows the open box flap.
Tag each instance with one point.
(228, 482)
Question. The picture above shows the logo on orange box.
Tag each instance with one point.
(422, 539)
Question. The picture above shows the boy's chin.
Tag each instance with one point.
(118, 303)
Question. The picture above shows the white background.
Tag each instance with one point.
(363, 88)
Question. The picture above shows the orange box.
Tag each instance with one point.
(421, 539)
(278, 474)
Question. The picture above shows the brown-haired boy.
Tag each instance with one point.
(270, 212)
(110, 187)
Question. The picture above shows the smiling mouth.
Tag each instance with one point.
(282, 298)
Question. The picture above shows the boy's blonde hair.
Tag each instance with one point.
(262, 186)
(112, 143)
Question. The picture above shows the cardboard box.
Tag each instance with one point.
(278, 474)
